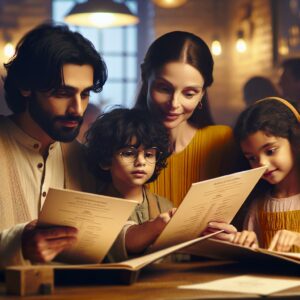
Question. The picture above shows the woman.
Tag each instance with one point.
(176, 72)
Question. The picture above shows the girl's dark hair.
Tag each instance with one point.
(274, 118)
(39, 59)
(176, 46)
(115, 129)
(271, 116)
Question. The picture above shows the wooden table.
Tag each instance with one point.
(160, 281)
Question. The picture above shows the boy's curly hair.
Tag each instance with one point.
(115, 129)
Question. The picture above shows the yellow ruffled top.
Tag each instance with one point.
(271, 222)
(211, 153)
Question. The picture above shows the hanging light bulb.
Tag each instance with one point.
(9, 50)
(216, 47)
(241, 44)
(283, 47)
(101, 14)
(169, 3)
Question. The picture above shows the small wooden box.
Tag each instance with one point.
(29, 280)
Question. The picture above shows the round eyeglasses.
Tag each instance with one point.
(130, 154)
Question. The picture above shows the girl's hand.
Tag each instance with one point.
(283, 240)
(227, 235)
(246, 238)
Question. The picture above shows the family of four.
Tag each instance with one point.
(162, 141)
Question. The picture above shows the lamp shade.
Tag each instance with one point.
(100, 14)
(169, 3)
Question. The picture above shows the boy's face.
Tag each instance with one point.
(59, 113)
(132, 167)
(275, 152)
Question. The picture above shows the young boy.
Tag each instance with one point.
(127, 148)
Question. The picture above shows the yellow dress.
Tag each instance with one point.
(211, 153)
(271, 222)
(267, 215)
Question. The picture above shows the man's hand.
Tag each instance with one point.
(283, 240)
(246, 238)
(44, 244)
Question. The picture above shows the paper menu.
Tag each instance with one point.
(250, 284)
(98, 218)
(216, 199)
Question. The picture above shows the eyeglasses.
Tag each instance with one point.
(130, 154)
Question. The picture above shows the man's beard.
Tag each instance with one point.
(51, 125)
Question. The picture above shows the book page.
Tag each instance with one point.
(137, 263)
(293, 255)
(217, 249)
(216, 199)
(290, 256)
(98, 218)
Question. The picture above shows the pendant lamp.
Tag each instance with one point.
(169, 3)
(100, 14)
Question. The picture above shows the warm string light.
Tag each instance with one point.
(9, 50)
(216, 47)
(241, 44)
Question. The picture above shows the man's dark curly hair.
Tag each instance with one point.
(115, 129)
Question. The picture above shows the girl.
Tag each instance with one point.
(269, 134)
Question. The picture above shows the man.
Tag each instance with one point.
(47, 87)
(290, 79)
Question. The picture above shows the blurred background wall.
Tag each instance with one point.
(267, 27)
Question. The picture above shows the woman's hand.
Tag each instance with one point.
(283, 240)
(246, 238)
(227, 235)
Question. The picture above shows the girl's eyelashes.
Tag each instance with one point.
(271, 151)
(268, 152)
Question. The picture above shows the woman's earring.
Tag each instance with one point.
(200, 105)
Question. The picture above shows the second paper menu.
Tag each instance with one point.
(216, 199)
(98, 218)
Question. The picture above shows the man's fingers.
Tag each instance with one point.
(58, 232)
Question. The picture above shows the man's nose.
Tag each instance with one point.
(75, 107)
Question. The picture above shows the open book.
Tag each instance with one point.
(138, 263)
(217, 249)
(125, 272)
(217, 199)
(99, 220)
